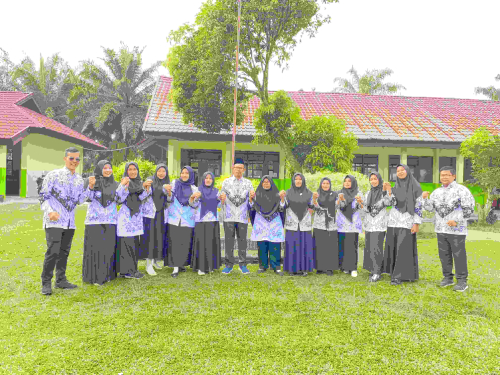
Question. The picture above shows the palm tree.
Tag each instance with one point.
(491, 92)
(47, 84)
(369, 83)
(111, 103)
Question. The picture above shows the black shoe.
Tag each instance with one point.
(65, 285)
(138, 275)
(319, 272)
(446, 282)
(395, 282)
(175, 274)
(279, 272)
(47, 289)
(461, 286)
(261, 270)
(329, 273)
(182, 269)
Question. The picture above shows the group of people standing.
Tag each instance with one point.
(179, 223)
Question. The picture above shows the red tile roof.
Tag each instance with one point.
(379, 117)
(15, 119)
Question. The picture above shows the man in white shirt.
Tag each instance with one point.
(235, 194)
(453, 204)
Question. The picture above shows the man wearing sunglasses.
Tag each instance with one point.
(61, 192)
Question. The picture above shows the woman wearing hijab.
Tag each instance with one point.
(267, 223)
(181, 218)
(400, 257)
(375, 226)
(349, 225)
(206, 244)
(99, 244)
(325, 236)
(153, 211)
(130, 222)
(299, 257)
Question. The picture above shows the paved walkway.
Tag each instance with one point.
(477, 235)
(8, 200)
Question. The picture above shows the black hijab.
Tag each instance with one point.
(209, 201)
(106, 185)
(406, 191)
(376, 192)
(327, 200)
(267, 202)
(158, 197)
(349, 196)
(183, 189)
(298, 197)
(135, 189)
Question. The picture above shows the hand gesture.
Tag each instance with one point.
(359, 199)
(91, 182)
(125, 181)
(146, 184)
(387, 187)
(341, 197)
(223, 198)
(282, 195)
(452, 223)
(310, 210)
(197, 195)
(414, 229)
(425, 195)
(53, 216)
(168, 188)
(315, 196)
(252, 195)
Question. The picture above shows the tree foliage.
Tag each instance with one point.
(370, 83)
(483, 150)
(112, 101)
(492, 93)
(313, 145)
(6, 67)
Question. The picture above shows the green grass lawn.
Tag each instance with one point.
(242, 324)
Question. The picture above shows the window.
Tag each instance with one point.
(468, 170)
(258, 164)
(365, 164)
(421, 167)
(394, 161)
(202, 161)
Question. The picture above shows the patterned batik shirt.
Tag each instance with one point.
(345, 225)
(178, 214)
(268, 230)
(319, 218)
(209, 215)
(97, 214)
(148, 209)
(454, 202)
(292, 220)
(235, 209)
(131, 226)
(61, 192)
(375, 219)
(400, 220)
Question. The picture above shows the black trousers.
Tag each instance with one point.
(58, 246)
(452, 247)
(240, 230)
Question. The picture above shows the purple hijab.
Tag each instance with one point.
(183, 189)
(209, 201)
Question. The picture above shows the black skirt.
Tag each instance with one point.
(153, 239)
(126, 257)
(99, 251)
(180, 240)
(348, 242)
(400, 256)
(206, 255)
(326, 250)
(374, 252)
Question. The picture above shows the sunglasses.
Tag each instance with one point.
(72, 158)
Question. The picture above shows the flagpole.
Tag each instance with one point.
(236, 80)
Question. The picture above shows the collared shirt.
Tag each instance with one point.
(453, 202)
(61, 192)
(319, 218)
(178, 214)
(235, 209)
(131, 226)
(292, 220)
(376, 218)
(344, 224)
(404, 220)
(272, 231)
(97, 214)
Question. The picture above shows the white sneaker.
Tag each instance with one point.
(354, 273)
(201, 273)
(149, 268)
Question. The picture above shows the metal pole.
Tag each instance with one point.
(236, 79)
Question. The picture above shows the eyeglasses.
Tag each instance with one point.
(72, 158)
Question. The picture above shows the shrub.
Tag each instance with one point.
(146, 169)
(337, 178)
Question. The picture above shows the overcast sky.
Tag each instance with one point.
(436, 48)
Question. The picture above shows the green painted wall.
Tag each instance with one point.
(3, 170)
(22, 192)
(41, 154)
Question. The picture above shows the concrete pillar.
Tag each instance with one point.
(435, 166)
(404, 156)
(383, 164)
(460, 167)
(173, 158)
(227, 159)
